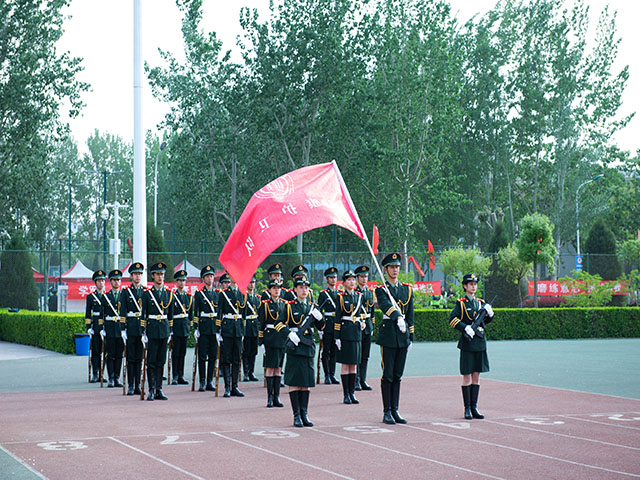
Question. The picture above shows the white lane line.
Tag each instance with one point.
(25, 465)
(602, 442)
(400, 452)
(617, 425)
(270, 452)
(526, 452)
(175, 467)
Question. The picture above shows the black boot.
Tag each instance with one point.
(245, 369)
(363, 376)
(130, 379)
(357, 387)
(475, 389)
(345, 389)
(303, 395)
(395, 400)
(295, 406)
(137, 373)
(117, 363)
(235, 371)
(159, 394)
(276, 392)
(325, 369)
(466, 398)
(352, 387)
(95, 363)
(227, 380)
(332, 375)
(269, 392)
(210, 372)
(152, 387)
(181, 380)
(252, 366)
(110, 372)
(385, 388)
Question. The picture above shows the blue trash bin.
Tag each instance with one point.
(82, 343)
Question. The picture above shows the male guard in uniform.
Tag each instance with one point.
(297, 272)
(395, 335)
(182, 317)
(159, 321)
(229, 331)
(114, 324)
(368, 300)
(328, 298)
(204, 322)
(94, 319)
(250, 343)
(132, 299)
(275, 273)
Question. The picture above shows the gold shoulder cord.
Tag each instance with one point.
(349, 312)
(266, 306)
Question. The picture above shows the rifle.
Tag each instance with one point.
(124, 372)
(195, 364)
(89, 359)
(144, 371)
(217, 370)
(319, 361)
(169, 361)
(478, 322)
(307, 323)
(102, 363)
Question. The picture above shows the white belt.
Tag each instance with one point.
(157, 317)
(367, 315)
(231, 316)
(208, 315)
(133, 314)
(384, 317)
(330, 314)
(353, 319)
(252, 317)
(270, 325)
(95, 313)
(112, 318)
(181, 315)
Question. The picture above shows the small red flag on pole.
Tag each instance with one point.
(432, 257)
(413, 260)
(376, 239)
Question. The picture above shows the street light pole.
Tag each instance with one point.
(155, 188)
(116, 231)
(577, 211)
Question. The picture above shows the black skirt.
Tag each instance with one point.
(471, 362)
(298, 372)
(273, 357)
(350, 352)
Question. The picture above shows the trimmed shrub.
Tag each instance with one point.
(52, 331)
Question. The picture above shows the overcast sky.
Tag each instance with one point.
(102, 34)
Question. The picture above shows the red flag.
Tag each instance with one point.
(376, 240)
(307, 198)
(432, 257)
(413, 260)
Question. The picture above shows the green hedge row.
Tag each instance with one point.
(54, 331)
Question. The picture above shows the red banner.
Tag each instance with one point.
(430, 288)
(555, 288)
(307, 198)
(79, 291)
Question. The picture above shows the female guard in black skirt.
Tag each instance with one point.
(473, 347)
(348, 334)
(299, 373)
(272, 337)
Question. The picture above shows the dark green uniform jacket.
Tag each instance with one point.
(182, 307)
(296, 315)
(272, 317)
(230, 322)
(328, 298)
(133, 309)
(349, 317)
(114, 319)
(205, 303)
(94, 313)
(250, 307)
(461, 316)
(389, 334)
(368, 301)
(158, 314)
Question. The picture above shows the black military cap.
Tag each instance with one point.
(469, 277)
(158, 267)
(207, 270)
(391, 259)
(253, 279)
(299, 270)
(225, 278)
(180, 275)
(331, 272)
(300, 280)
(99, 275)
(115, 274)
(348, 274)
(136, 267)
(274, 282)
(275, 268)
(362, 270)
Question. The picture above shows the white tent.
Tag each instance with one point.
(78, 273)
(193, 272)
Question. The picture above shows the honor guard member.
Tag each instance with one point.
(272, 336)
(132, 299)
(114, 325)
(275, 273)
(94, 319)
(328, 298)
(182, 317)
(250, 342)
(302, 316)
(368, 301)
(348, 334)
(158, 317)
(472, 344)
(395, 335)
(298, 271)
(204, 322)
(229, 332)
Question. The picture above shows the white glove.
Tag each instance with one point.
(103, 333)
(315, 313)
(144, 339)
(320, 334)
(90, 331)
(293, 336)
(219, 338)
(480, 330)
(196, 333)
(402, 325)
(409, 346)
(489, 310)
(264, 350)
(124, 335)
(469, 331)
(338, 344)
(362, 325)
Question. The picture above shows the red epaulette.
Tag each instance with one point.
(146, 289)
(463, 299)
(480, 300)
(406, 284)
(290, 301)
(266, 300)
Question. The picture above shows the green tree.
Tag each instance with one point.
(157, 252)
(629, 253)
(595, 294)
(535, 245)
(513, 269)
(601, 248)
(17, 287)
(458, 261)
